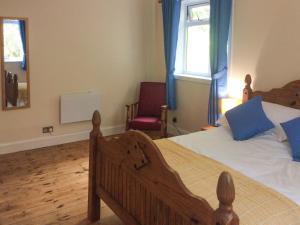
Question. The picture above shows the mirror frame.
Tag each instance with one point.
(4, 106)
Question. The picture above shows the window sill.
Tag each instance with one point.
(193, 78)
(12, 61)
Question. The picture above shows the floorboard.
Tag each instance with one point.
(47, 187)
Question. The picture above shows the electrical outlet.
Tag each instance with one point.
(174, 120)
(47, 130)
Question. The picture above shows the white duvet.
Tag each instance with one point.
(261, 158)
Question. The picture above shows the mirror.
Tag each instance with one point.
(14, 63)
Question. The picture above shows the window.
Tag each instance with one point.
(13, 47)
(193, 40)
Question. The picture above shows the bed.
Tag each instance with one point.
(146, 182)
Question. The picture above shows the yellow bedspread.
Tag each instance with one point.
(255, 203)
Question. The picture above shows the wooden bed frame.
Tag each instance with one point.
(11, 88)
(289, 95)
(129, 173)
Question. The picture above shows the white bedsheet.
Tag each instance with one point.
(261, 158)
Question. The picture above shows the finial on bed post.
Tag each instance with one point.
(96, 122)
(93, 198)
(225, 215)
(247, 92)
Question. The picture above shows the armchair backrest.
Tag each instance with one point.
(152, 97)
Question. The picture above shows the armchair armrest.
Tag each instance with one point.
(164, 110)
(130, 105)
(131, 112)
(164, 107)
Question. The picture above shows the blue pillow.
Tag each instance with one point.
(292, 130)
(248, 120)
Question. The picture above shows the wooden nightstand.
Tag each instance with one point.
(207, 128)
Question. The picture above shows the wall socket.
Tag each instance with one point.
(174, 119)
(47, 130)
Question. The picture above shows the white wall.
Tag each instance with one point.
(78, 46)
(265, 43)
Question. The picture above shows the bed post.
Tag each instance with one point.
(225, 215)
(93, 198)
(247, 92)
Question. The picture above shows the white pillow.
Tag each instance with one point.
(279, 114)
(222, 121)
(280, 134)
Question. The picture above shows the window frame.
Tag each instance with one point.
(185, 23)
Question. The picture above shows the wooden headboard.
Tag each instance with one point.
(288, 95)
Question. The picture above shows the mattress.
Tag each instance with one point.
(255, 204)
(261, 158)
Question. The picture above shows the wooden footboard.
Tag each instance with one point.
(130, 175)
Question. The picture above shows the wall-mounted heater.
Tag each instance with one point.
(78, 107)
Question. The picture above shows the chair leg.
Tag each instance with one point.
(163, 131)
(127, 126)
(164, 121)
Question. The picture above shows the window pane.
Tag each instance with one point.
(13, 49)
(200, 12)
(198, 49)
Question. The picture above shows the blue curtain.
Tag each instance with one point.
(220, 16)
(23, 38)
(171, 16)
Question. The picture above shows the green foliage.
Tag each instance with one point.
(199, 13)
(12, 41)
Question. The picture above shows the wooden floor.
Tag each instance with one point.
(46, 187)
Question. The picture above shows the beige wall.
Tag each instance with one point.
(110, 46)
(265, 43)
(78, 46)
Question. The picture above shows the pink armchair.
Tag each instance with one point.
(150, 112)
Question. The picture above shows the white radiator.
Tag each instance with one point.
(78, 107)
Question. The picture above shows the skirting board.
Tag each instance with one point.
(54, 140)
